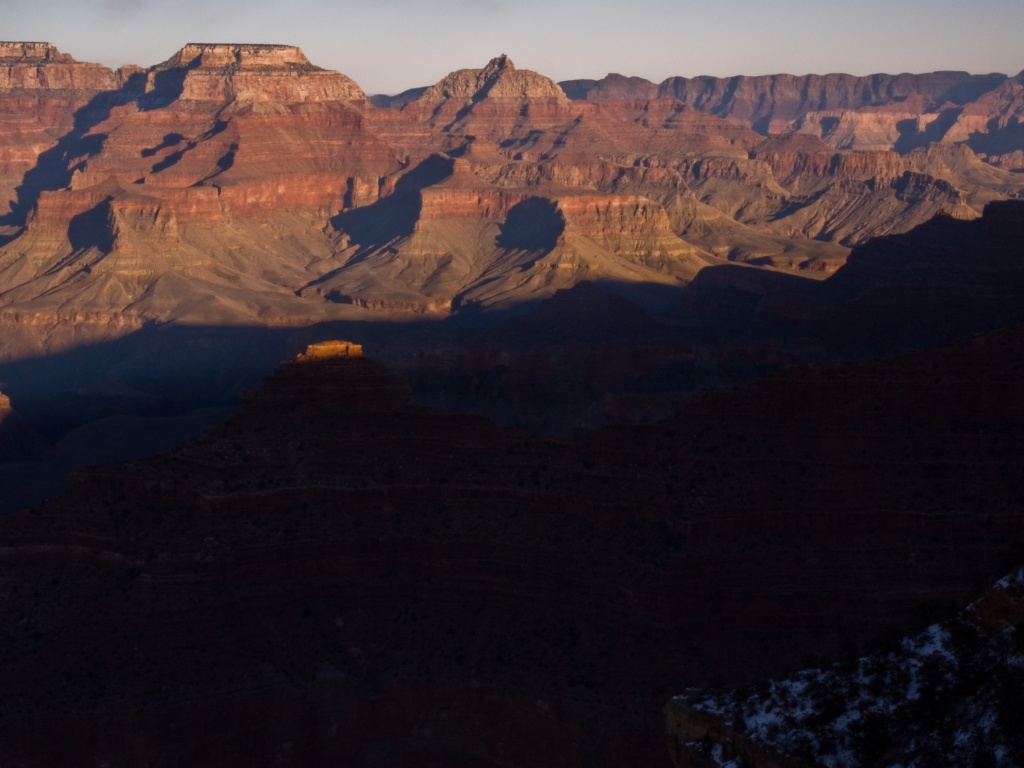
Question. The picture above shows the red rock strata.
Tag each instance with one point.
(323, 205)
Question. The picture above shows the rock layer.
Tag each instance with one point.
(249, 155)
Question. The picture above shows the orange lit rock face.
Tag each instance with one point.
(330, 350)
(258, 73)
(260, 122)
(174, 167)
(253, 156)
(40, 66)
(40, 91)
(623, 223)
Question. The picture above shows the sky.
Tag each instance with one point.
(387, 46)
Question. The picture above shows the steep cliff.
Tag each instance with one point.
(491, 101)
(190, 168)
(44, 95)
(774, 103)
(242, 183)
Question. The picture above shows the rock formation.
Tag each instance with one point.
(322, 204)
(950, 694)
(329, 350)
(490, 101)
(41, 92)
(41, 67)
(339, 574)
(772, 103)
(891, 112)
(278, 74)
(438, 586)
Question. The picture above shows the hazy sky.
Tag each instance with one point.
(390, 45)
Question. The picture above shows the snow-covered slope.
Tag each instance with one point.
(951, 695)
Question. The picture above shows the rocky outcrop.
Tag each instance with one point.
(171, 170)
(41, 67)
(329, 350)
(499, 80)
(490, 101)
(992, 125)
(278, 74)
(632, 226)
(41, 91)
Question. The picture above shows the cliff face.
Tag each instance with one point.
(40, 66)
(182, 166)
(490, 99)
(878, 112)
(773, 103)
(790, 97)
(41, 89)
(260, 73)
(316, 202)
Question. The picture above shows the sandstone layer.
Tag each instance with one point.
(895, 112)
(251, 158)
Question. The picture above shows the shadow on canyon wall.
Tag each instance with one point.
(540, 365)
(55, 167)
(393, 216)
(585, 357)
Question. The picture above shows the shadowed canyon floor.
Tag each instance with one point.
(242, 186)
(585, 357)
(390, 584)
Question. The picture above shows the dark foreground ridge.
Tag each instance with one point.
(950, 695)
(339, 574)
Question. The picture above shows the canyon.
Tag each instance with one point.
(275, 192)
(242, 189)
(643, 387)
